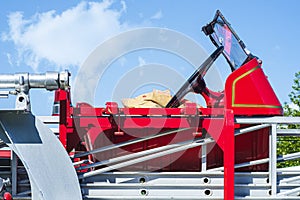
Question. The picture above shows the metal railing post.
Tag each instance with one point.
(203, 157)
(273, 160)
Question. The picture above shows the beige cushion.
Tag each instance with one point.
(154, 99)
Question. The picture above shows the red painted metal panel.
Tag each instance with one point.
(248, 92)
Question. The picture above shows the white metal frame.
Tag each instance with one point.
(281, 183)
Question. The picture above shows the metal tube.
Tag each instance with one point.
(287, 180)
(267, 120)
(289, 192)
(38, 80)
(114, 146)
(273, 160)
(7, 81)
(240, 165)
(288, 132)
(135, 155)
(145, 158)
(245, 164)
(290, 156)
(127, 157)
(80, 163)
(25, 81)
(286, 157)
(203, 157)
(143, 153)
(249, 129)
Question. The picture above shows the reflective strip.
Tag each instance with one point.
(247, 105)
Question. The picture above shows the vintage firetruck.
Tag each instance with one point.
(224, 150)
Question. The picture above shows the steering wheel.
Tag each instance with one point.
(195, 82)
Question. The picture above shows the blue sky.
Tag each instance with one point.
(38, 36)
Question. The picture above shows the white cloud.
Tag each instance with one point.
(141, 61)
(63, 39)
(122, 60)
(157, 15)
(124, 6)
(9, 59)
